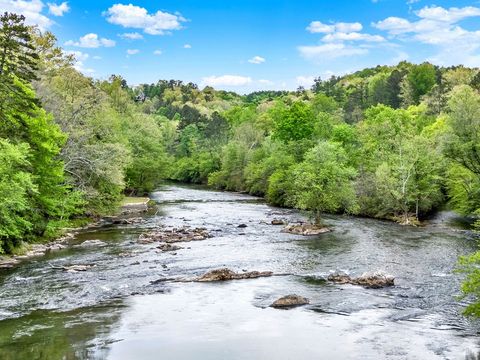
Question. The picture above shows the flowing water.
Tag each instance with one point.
(114, 311)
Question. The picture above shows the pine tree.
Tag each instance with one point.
(18, 63)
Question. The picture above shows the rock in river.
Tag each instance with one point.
(183, 234)
(169, 247)
(373, 280)
(227, 274)
(290, 301)
(305, 229)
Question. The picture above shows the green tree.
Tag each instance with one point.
(16, 188)
(323, 182)
(421, 78)
(294, 123)
(18, 63)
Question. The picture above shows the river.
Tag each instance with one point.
(115, 310)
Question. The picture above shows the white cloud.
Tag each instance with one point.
(316, 27)
(439, 27)
(352, 36)
(319, 27)
(187, 46)
(58, 10)
(451, 15)
(30, 9)
(131, 16)
(80, 58)
(337, 41)
(226, 80)
(256, 60)
(394, 25)
(330, 51)
(157, 52)
(348, 27)
(131, 36)
(91, 41)
(305, 81)
(96, 57)
(132, 51)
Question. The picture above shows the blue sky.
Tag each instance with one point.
(255, 44)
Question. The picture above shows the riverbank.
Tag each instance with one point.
(129, 206)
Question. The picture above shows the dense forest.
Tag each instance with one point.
(392, 142)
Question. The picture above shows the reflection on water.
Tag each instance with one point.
(115, 311)
(45, 335)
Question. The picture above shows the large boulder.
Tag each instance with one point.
(290, 301)
(373, 280)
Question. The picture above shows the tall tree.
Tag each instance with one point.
(18, 63)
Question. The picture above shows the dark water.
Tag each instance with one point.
(113, 311)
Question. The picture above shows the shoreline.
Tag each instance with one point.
(129, 206)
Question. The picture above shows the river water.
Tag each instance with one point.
(114, 311)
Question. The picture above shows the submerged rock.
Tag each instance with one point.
(168, 247)
(290, 301)
(242, 226)
(373, 280)
(305, 229)
(227, 274)
(91, 243)
(74, 268)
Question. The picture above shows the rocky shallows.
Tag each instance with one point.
(183, 234)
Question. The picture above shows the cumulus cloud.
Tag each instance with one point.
(256, 60)
(131, 16)
(339, 39)
(352, 36)
(91, 41)
(132, 51)
(439, 27)
(32, 10)
(226, 80)
(58, 10)
(131, 36)
(157, 52)
(330, 51)
(187, 46)
(319, 27)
